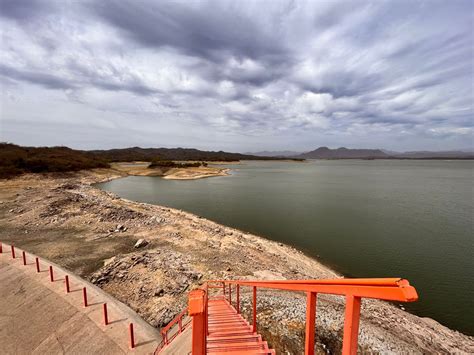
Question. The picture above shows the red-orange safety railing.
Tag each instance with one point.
(390, 289)
(166, 336)
(68, 290)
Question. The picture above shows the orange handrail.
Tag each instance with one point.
(393, 281)
(166, 339)
(392, 289)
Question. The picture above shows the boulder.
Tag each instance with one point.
(141, 243)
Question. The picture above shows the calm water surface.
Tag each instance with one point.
(412, 219)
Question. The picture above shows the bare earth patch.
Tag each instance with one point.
(189, 173)
(91, 232)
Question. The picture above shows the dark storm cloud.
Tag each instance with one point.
(23, 9)
(249, 69)
(210, 32)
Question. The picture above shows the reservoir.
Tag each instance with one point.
(364, 218)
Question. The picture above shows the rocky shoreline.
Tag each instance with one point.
(94, 233)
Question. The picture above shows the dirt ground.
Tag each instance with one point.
(63, 218)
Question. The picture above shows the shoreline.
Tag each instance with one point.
(188, 173)
(92, 232)
(333, 268)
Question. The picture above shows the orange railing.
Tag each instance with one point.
(391, 289)
(166, 337)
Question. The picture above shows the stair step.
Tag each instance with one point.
(230, 337)
(240, 346)
(235, 338)
(240, 352)
(221, 330)
(230, 333)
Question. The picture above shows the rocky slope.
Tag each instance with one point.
(94, 233)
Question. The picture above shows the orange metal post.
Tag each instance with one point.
(51, 275)
(106, 315)
(23, 254)
(1, 248)
(66, 280)
(254, 318)
(230, 294)
(199, 335)
(206, 316)
(37, 265)
(132, 336)
(84, 296)
(223, 288)
(238, 299)
(13, 251)
(351, 325)
(310, 323)
(197, 309)
(206, 312)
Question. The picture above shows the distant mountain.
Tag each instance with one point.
(450, 154)
(282, 153)
(343, 153)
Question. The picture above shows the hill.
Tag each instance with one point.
(343, 153)
(16, 160)
(148, 154)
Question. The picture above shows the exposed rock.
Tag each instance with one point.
(159, 292)
(119, 228)
(109, 261)
(141, 243)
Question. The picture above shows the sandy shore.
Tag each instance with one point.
(93, 233)
(191, 173)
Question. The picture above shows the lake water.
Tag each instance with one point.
(379, 218)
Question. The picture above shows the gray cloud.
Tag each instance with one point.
(23, 9)
(209, 31)
(240, 75)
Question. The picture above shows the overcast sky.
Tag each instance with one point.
(238, 75)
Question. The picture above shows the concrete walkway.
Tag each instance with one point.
(38, 317)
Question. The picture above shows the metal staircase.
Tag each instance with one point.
(219, 328)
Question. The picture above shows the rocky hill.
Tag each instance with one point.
(148, 154)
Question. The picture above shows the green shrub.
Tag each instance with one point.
(158, 163)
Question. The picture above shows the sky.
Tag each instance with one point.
(238, 75)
